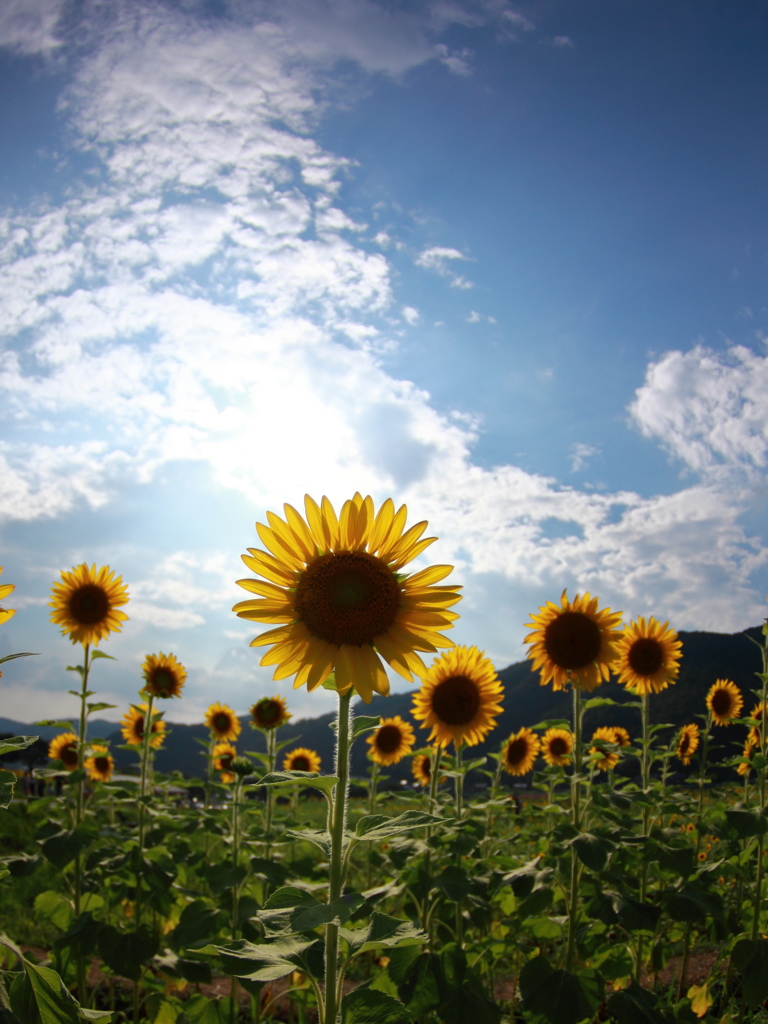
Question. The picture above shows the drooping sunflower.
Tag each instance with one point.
(133, 724)
(164, 675)
(223, 756)
(557, 746)
(519, 752)
(688, 742)
(86, 603)
(744, 768)
(223, 722)
(336, 591)
(302, 759)
(64, 747)
(458, 698)
(724, 701)
(573, 642)
(648, 656)
(607, 759)
(421, 768)
(622, 736)
(760, 713)
(269, 713)
(5, 590)
(390, 743)
(100, 764)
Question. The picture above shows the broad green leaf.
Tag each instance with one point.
(56, 723)
(22, 654)
(200, 1009)
(592, 850)
(127, 952)
(317, 836)
(598, 702)
(265, 961)
(558, 995)
(52, 906)
(198, 922)
(635, 1005)
(366, 1006)
(377, 827)
(381, 932)
(100, 654)
(751, 960)
(746, 822)
(364, 723)
(325, 783)
(693, 905)
(66, 845)
(299, 911)
(12, 744)
(7, 784)
(99, 706)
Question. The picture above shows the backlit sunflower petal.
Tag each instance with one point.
(267, 565)
(263, 589)
(279, 547)
(289, 539)
(394, 534)
(6, 589)
(401, 555)
(273, 636)
(316, 523)
(331, 521)
(301, 531)
(381, 525)
(426, 577)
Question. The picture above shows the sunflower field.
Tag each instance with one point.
(277, 888)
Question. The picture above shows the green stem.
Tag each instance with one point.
(646, 776)
(573, 903)
(80, 814)
(235, 887)
(337, 815)
(371, 809)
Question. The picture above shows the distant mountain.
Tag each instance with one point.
(706, 657)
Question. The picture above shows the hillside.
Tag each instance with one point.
(706, 657)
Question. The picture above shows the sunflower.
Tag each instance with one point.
(223, 722)
(5, 590)
(687, 742)
(648, 656)
(608, 759)
(223, 756)
(133, 723)
(100, 764)
(458, 697)
(64, 747)
(574, 642)
(392, 740)
(335, 589)
(164, 676)
(302, 759)
(745, 768)
(269, 713)
(85, 603)
(421, 767)
(622, 736)
(724, 701)
(557, 746)
(519, 752)
(759, 714)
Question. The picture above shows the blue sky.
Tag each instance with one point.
(506, 263)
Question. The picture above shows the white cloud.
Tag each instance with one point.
(708, 409)
(580, 454)
(29, 26)
(439, 258)
(411, 315)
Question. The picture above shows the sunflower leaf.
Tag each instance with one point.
(598, 702)
(100, 654)
(99, 706)
(364, 723)
(22, 654)
(55, 723)
(7, 784)
(325, 783)
(375, 827)
(367, 1006)
(14, 743)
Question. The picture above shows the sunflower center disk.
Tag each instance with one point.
(268, 712)
(388, 739)
(721, 702)
(646, 656)
(456, 700)
(88, 604)
(516, 752)
(300, 764)
(221, 723)
(572, 640)
(163, 681)
(348, 597)
(558, 747)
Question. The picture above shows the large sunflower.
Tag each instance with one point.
(648, 656)
(5, 590)
(687, 742)
(518, 754)
(164, 676)
(605, 760)
(336, 590)
(223, 722)
(133, 724)
(100, 764)
(392, 740)
(269, 713)
(302, 759)
(86, 602)
(724, 701)
(223, 756)
(573, 642)
(557, 747)
(64, 747)
(458, 697)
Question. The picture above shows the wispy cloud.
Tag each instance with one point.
(440, 259)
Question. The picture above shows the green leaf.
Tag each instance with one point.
(558, 995)
(224, 876)
(746, 823)
(7, 785)
(364, 723)
(265, 961)
(693, 905)
(56, 723)
(296, 910)
(198, 922)
(12, 744)
(635, 1005)
(39, 996)
(99, 706)
(366, 1006)
(23, 654)
(325, 783)
(317, 836)
(592, 850)
(52, 906)
(200, 1009)
(377, 827)
(598, 702)
(127, 952)
(65, 846)
(100, 654)
(381, 932)
(750, 957)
